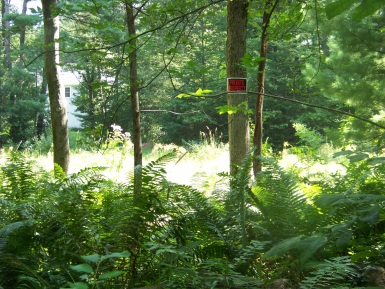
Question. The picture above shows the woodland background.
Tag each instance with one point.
(316, 221)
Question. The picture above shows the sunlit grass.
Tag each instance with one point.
(192, 165)
(196, 164)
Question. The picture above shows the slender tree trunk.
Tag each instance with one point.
(137, 135)
(61, 151)
(258, 131)
(239, 139)
(22, 32)
(137, 225)
(40, 119)
(89, 78)
(6, 34)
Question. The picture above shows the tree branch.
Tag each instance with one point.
(159, 27)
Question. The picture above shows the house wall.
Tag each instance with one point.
(70, 81)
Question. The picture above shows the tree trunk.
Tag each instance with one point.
(6, 34)
(137, 226)
(258, 131)
(137, 135)
(239, 139)
(61, 152)
(22, 32)
(40, 118)
(89, 77)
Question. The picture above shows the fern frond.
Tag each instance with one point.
(86, 175)
(285, 209)
(330, 273)
(247, 255)
(20, 177)
(10, 228)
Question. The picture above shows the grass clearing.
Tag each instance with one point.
(192, 166)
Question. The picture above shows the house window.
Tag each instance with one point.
(67, 91)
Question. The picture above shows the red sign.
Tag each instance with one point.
(236, 85)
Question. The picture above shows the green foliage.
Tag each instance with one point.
(84, 231)
(333, 273)
(93, 276)
(241, 108)
(364, 9)
(306, 247)
(199, 93)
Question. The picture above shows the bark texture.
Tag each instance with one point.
(61, 151)
(258, 131)
(137, 134)
(239, 139)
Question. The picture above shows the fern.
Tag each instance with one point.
(331, 273)
(284, 209)
(353, 216)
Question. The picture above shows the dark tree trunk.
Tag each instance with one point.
(137, 135)
(6, 34)
(40, 119)
(89, 77)
(137, 225)
(61, 151)
(258, 131)
(239, 139)
(22, 32)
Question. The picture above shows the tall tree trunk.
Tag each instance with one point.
(137, 135)
(40, 118)
(22, 32)
(6, 34)
(258, 131)
(89, 77)
(61, 151)
(137, 225)
(239, 139)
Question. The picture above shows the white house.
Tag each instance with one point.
(69, 88)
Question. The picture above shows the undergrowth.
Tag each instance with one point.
(86, 231)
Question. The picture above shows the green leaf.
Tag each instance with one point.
(191, 63)
(344, 240)
(183, 95)
(376, 161)
(249, 61)
(124, 254)
(282, 248)
(338, 7)
(367, 8)
(342, 153)
(363, 255)
(111, 274)
(201, 92)
(371, 217)
(309, 246)
(86, 268)
(78, 285)
(92, 258)
(358, 157)
(171, 51)
(226, 109)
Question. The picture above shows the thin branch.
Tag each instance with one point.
(324, 108)
(297, 102)
(155, 29)
(169, 111)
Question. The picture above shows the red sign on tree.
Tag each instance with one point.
(236, 85)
